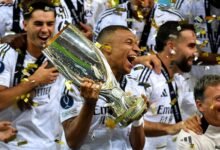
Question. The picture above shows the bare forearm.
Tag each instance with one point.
(208, 58)
(76, 130)
(153, 129)
(8, 95)
(137, 138)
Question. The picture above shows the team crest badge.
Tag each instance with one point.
(2, 67)
(66, 101)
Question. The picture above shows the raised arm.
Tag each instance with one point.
(77, 128)
(206, 58)
(153, 129)
(137, 137)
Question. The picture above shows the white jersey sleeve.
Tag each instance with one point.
(133, 85)
(6, 67)
(186, 101)
(184, 7)
(190, 140)
(70, 104)
(160, 17)
(185, 141)
(93, 10)
(190, 9)
(2, 26)
(111, 17)
(6, 18)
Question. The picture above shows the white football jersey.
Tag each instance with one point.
(210, 140)
(92, 9)
(99, 137)
(143, 80)
(39, 127)
(6, 18)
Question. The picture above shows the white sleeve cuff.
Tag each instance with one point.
(138, 123)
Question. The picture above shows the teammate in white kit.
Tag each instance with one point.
(169, 96)
(204, 14)
(84, 121)
(27, 87)
(79, 12)
(207, 98)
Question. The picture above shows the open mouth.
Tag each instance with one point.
(131, 58)
(43, 38)
(191, 60)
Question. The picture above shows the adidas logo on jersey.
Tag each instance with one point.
(164, 93)
(187, 139)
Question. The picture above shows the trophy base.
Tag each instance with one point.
(133, 112)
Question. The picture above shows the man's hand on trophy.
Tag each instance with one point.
(146, 102)
(44, 75)
(140, 121)
(150, 61)
(90, 91)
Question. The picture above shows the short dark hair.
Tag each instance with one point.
(203, 83)
(170, 28)
(108, 31)
(29, 6)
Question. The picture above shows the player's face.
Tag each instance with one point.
(125, 48)
(39, 28)
(186, 50)
(142, 6)
(210, 106)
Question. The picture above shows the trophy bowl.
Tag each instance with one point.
(76, 57)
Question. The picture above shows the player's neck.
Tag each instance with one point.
(168, 63)
(34, 50)
(118, 75)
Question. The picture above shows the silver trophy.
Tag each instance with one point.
(76, 57)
